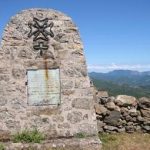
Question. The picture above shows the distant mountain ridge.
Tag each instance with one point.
(133, 78)
(124, 73)
(128, 73)
(123, 82)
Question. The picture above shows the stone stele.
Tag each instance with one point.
(43, 76)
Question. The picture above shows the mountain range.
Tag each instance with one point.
(123, 82)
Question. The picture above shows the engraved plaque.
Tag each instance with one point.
(43, 87)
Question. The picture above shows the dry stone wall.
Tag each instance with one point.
(75, 113)
(122, 113)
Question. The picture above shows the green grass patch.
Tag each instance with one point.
(107, 138)
(80, 135)
(2, 146)
(109, 141)
(27, 136)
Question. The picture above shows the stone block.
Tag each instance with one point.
(81, 103)
(145, 113)
(58, 118)
(88, 129)
(111, 105)
(102, 94)
(64, 126)
(125, 100)
(67, 84)
(100, 109)
(144, 103)
(113, 118)
(74, 117)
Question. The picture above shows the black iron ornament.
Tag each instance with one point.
(40, 30)
(40, 47)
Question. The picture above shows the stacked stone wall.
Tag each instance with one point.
(122, 113)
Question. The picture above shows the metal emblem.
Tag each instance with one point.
(40, 30)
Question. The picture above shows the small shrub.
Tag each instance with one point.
(80, 135)
(28, 136)
(2, 146)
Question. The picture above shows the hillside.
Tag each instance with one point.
(127, 82)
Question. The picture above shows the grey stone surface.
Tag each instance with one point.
(111, 106)
(64, 125)
(102, 94)
(145, 112)
(74, 117)
(81, 103)
(100, 109)
(87, 129)
(113, 118)
(144, 102)
(133, 112)
(147, 128)
(130, 129)
(110, 128)
(125, 100)
(3, 100)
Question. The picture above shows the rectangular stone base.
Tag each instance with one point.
(89, 143)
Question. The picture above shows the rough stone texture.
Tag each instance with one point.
(145, 113)
(122, 114)
(124, 100)
(102, 94)
(74, 117)
(113, 118)
(66, 53)
(100, 109)
(81, 103)
(110, 128)
(90, 143)
(111, 106)
(144, 102)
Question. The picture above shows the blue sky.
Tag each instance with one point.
(115, 33)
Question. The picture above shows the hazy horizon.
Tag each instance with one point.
(117, 70)
(111, 67)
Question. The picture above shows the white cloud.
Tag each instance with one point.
(113, 66)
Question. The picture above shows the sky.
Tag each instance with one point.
(115, 33)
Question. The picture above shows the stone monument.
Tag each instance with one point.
(43, 76)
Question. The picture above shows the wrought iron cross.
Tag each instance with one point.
(40, 29)
(40, 47)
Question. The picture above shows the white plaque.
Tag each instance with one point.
(43, 87)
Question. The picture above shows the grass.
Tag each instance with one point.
(2, 146)
(80, 135)
(125, 141)
(26, 136)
